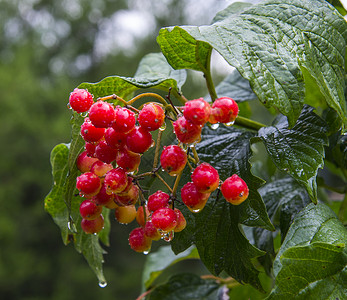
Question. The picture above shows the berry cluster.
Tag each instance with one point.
(115, 139)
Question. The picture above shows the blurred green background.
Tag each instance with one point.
(47, 48)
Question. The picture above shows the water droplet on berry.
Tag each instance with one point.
(195, 210)
(162, 127)
(230, 123)
(168, 236)
(84, 114)
(215, 126)
(69, 106)
(145, 252)
(102, 284)
(95, 233)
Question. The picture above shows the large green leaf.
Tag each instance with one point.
(215, 230)
(300, 150)
(312, 261)
(269, 43)
(185, 286)
(153, 72)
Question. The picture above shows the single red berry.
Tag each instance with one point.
(116, 180)
(142, 215)
(102, 114)
(205, 178)
(197, 111)
(151, 117)
(181, 221)
(129, 198)
(89, 210)
(80, 100)
(105, 153)
(234, 190)
(124, 120)
(128, 160)
(164, 219)
(158, 200)
(90, 133)
(88, 184)
(93, 226)
(114, 138)
(138, 241)
(84, 162)
(151, 231)
(224, 110)
(90, 149)
(125, 214)
(186, 132)
(139, 140)
(173, 159)
(103, 198)
(100, 168)
(192, 198)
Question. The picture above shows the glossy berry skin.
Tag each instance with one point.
(89, 210)
(114, 138)
(138, 241)
(158, 200)
(116, 180)
(205, 178)
(224, 110)
(197, 111)
(103, 198)
(88, 184)
(140, 216)
(90, 133)
(164, 219)
(128, 160)
(151, 231)
(102, 114)
(192, 198)
(93, 226)
(235, 190)
(151, 117)
(80, 100)
(84, 162)
(173, 159)
(129, 198)
(100, 168)
(139, 140)
(125, 214)
(186, 132)
(124, 120)
(90, 149)
(181, 221)
(105, 153)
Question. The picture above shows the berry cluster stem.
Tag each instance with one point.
(208, 79)
(154, 95)
(157, 150)
(247, 123)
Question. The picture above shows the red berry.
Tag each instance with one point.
(164, 219)
(235, 190)
(224, 110)
(151, 117)
(129, 198)
(88, 184)
(186, 132)
(105, 153)
(103, 198)
(90, 133)
(100, 168)
(140, 215)
(90, 149)
(181, 221)
(125, 214)
(205, 178)
(173, 159)
(80, 100)
(102, 114)
(124, 120)
(114, 138)
(151, 231)
(138, 241)
(192, 198)
(197, 111)
(116, 180)
(93, 226)
(128, 160)
(84, 162)
(139, 140)
(158, 200)
(89, 210)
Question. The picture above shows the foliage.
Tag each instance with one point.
(283, 49)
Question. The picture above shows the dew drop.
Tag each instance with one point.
(168, 236)
(69, 106)
(195, 210)
(152, 144)
(84, 114)
(162, 127)
(95, 233)
(102, 284)
(72, 227)
(230, 123)
(215, 126)
(145, 252)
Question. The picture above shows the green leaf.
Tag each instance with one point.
(215, 230)
(153, 72)
(270, 49)
(312, 261)
(300, 150)
(185, 286)
(158, 261)
(232, 9)
(54, 201)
